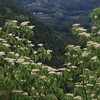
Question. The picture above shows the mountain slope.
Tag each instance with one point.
(64, 4)
(57, 12)
(43, 33)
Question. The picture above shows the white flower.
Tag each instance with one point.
(2, 53)
(27, 58)
(80, 62)
(14, 21)
(82, 75)
(11, 60)
(70, 46)
(22, 80)
(87, 35)
(33, 88)
(82, 29)
(95, 17)
(52, 72)
(84, 48)
(98, 83)
(98, 33)
(97, 46)
(35, 70)
(20, 60)
(77, 46)
(68, 64)
(17, 38)
(90, 85)
(32, 45)
(16, 26)
(91, 76)
(69, 94)
(43, 77)
(35, 52)
(62, 69)
(83, 33)
(17, 91)
(50, 68)
(86, 69)
(39, 63)
(16, 54)
(78, 97)
(58, 73)
(78, 85)
(40, 45)
(85, 54)
(26, 63)
(4, 41)
(68, 70)
(25, 93)
(1, 39)
(94, 58)
(31, 27)
(49, 51)
(29, 41)
(11, 52)
(6, 44)
(0, 28)
(76, 24)
(74, 55)
(73, 67)
(25, 23)
(70, 79)
(10, 34)
(6, 58)
(94, 27)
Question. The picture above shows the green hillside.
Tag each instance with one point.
(62, 13)
(43, 33)
(24, 75)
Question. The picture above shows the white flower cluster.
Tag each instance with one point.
(40, 45)
(85, 34)
(17, 91)
(49, 51)
(20, 60)
(76, 25)
(26, 23)
(82, 29)
(6, 45)
(14, 21)
(0, 28)
(85, 54)
(2, 53)
(98, 33)
(94, 44)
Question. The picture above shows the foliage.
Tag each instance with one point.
(58, 12)
(43, 33)
(30, 79)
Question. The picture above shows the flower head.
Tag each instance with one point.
(25, 23)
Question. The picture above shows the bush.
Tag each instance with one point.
(30, 79)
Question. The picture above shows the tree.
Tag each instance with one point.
(30, 79)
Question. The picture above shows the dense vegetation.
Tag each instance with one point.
(25, 53)
(30, 79)
(62, 13)
(43, 33)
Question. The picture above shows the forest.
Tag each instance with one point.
(61, 14)
(39, 62)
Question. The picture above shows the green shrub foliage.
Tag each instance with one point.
(22, 70)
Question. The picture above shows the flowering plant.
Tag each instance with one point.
(21, 65)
